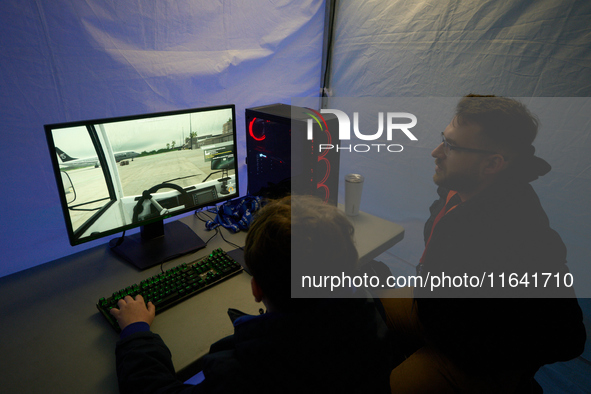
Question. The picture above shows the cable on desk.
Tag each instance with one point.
(120, 240)
(231, 243)
(216, 229)
(202, 212)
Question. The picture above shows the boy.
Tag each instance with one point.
(299, 345)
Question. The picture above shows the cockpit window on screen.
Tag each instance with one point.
(181, 160)
(80, 167)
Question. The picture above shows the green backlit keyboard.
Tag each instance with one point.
(176, 284)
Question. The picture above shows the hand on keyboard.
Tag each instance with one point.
(133, 311)
(168, 288)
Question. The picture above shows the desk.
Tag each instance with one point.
(53, 339)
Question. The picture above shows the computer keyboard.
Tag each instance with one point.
(176, 284)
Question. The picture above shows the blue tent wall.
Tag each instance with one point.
(538, 51)
(64, 61)
(534, 51)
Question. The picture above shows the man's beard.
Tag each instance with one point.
(465, 182)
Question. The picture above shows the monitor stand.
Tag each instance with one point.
(157, 243)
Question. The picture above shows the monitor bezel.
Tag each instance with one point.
(101, 157)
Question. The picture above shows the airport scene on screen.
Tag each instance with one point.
(119, 173)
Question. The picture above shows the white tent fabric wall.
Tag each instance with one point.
(65, 61)
(447, 48)
(450, 48)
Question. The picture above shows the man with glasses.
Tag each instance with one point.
(488, 220)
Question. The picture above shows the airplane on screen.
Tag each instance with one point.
(71, 162)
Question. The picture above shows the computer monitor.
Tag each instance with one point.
(116, 174)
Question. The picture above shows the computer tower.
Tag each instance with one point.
(281, 157)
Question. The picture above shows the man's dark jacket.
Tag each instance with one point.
(339, 346)
(501, 231)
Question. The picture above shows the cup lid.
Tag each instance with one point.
(355, 178)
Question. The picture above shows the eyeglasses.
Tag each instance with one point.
(447, 148)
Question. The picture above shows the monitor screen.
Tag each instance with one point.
(119, 173)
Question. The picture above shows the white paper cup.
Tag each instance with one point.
(353, 189)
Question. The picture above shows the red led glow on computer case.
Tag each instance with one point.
(322, 157)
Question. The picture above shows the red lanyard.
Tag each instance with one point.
(441, 214)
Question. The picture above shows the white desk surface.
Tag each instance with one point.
(55, 340)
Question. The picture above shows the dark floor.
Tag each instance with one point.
(573, 376)
(570, 377)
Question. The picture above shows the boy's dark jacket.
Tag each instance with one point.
(337, 346)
